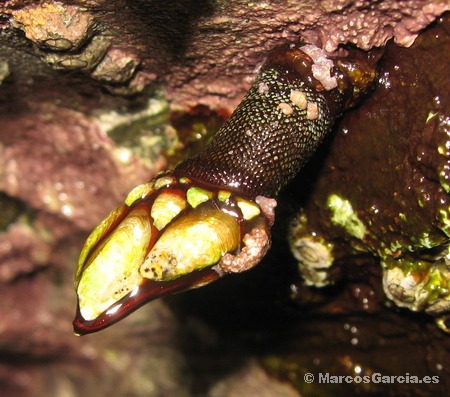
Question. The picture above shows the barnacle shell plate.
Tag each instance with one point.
(166, 207)
(192, 242)
(112, 269)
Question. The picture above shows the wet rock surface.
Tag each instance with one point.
(383, 188)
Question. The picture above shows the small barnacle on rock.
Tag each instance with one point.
(314, 254)
(87, 59)
(419, 283)
(53, 25)
(116, 67)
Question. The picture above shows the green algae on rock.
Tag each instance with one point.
(384, 186)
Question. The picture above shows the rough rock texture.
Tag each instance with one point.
(82, 119)
(204, 51)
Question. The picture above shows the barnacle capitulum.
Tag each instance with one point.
(169, 235)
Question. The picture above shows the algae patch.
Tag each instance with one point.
(344, 215)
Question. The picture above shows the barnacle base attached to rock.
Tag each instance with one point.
(314, 255)
(171, 234)
(419, 283)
